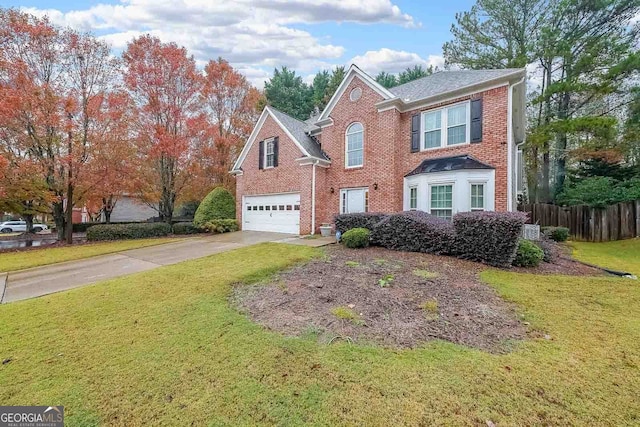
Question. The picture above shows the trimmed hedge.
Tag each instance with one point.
(415, 231)
(82, 227)
(528, 254)
(185, 228)
(218, 204)
(221, 226)
(489, 237)
(128, 231)
(559, 234)
(367, 220)
(356, 238)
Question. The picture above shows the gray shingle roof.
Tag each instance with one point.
(446, 81)
(454, 163)
(299, 131)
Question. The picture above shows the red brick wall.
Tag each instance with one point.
(379, 160)
(287, 177)
(492, 150)
(387, 156)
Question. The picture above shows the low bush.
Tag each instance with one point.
(127, 231)
(528, 254)
(489, 237)
(220, 226)
(356, 238)
(82, 227)
(559, 234)
(415, 231)
(218, 204)
(345, 222)
(549, 248)
(186, 228)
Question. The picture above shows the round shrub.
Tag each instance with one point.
(356, 238)
(219, 204)
(528, 254)
(559, 234)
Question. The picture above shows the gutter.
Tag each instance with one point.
(510, 169)
(313, 197)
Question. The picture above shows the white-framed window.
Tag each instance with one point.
(354, 146)
(413, 198)
(441, 200)
(354, 200)
(477, 197)
(269, 154)
(446, 126)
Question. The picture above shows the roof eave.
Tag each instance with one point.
(404, 106)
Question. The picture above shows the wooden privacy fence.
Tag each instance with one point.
(615, 222)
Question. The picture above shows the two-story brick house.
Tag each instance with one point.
(445, 143)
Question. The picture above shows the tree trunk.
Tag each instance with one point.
(58, 218)
(68, 231)
(28, 218)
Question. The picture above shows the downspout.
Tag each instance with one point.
(313, 197)
(510, 146)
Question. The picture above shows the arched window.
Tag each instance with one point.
(354, 146)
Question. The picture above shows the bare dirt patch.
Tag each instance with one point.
(396, 299)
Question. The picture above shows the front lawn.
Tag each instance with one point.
(166, 347)
(622, 255)
(19, 260)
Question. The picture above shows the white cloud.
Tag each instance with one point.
(394, 61)
(248, 33)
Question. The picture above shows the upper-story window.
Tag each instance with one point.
(354, 146)
(269, 154)
(446, 126)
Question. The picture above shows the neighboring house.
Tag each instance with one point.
(130, 208)
(443, 144)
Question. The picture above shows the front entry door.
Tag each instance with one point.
(354, 200)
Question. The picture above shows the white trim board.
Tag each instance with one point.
(254, 134)
(348, 78)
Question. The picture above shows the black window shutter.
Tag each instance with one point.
(261, 155)
(476, 120)
(415, 133)
(276, 145)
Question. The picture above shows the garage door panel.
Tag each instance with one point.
(278, 213)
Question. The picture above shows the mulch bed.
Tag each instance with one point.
(460, 308)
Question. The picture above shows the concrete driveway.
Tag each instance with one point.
(48, 279)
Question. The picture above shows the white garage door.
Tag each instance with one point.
(279, 213)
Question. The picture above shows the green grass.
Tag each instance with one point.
(19, 260)
(352, 263)
(164, 347)
(622, 255)
(425, 274)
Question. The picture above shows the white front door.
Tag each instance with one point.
(279, 213)
(354, 200)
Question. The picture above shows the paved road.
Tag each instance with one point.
(44, 280)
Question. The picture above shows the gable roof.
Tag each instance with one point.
(446, 164)
(348, 77)
(436, 85)
(447, 81)
(295, 129)
(300, 130)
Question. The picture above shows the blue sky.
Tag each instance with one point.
(257, 35)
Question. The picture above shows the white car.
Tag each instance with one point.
(20, 226)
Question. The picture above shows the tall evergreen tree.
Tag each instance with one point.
(417, 72)
(319, 88)
(387, 80)
(584, 50)
(336, 78)
(288, 93)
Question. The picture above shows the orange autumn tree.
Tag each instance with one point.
(111, 169)
(232, 110)
(52, 85)
(165, 86)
